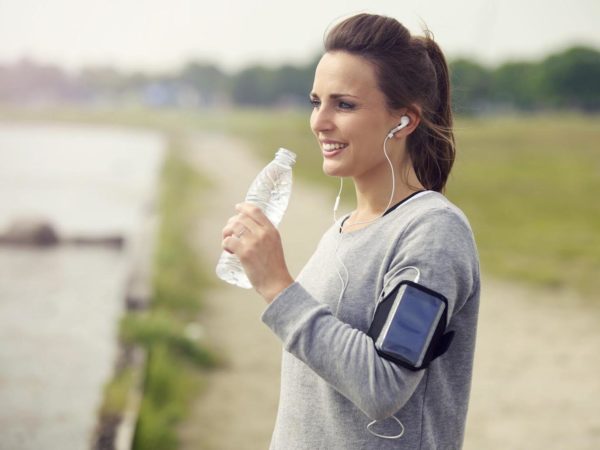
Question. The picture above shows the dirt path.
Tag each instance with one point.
(537, 371)
(536, 383)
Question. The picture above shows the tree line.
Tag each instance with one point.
(566, 80)
(569, 79)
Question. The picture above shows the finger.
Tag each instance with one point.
(229, 227)
(254, 212)
(238, 225)
(248, 224)
(235, 229)
(231, 244)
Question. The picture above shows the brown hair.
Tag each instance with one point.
(412, 73)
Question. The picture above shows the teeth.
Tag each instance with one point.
(330, 147)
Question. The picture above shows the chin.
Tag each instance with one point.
(332, 170)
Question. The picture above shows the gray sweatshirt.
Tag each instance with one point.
(333, 383)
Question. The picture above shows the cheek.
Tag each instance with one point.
(369, 145)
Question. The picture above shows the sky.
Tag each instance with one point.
(162, 35)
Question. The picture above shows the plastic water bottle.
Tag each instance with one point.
(270, 191)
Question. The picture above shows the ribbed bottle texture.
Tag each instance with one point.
(270, 191)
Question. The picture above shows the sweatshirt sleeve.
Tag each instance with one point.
(345, 357)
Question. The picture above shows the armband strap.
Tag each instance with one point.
(409, 325)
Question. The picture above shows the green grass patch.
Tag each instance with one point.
(170, 384)
(528, 185)
(178, 279)
(158, 328)
(116, 393)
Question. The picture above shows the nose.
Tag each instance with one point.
(321, 120)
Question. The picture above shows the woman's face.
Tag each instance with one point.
(350, 118)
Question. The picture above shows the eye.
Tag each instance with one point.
(345, 105)
(314, 102)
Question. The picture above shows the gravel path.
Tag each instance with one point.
(536, 382)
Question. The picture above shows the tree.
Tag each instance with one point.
(518, 84)
(572, 78)
(471, 85)
(254, 86)
(205, 77)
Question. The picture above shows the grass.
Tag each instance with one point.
(169, 387)
(116, 392)
(179, 279)
(529, 188)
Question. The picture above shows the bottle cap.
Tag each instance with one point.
(285, 155)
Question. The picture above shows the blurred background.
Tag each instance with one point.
(127, 131)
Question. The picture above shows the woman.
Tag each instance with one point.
(381, 114)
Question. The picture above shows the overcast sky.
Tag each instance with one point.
(160, 35)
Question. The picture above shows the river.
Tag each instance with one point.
(60, 305)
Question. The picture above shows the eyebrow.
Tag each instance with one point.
(334, 96)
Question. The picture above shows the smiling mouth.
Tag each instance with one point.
(333, 147)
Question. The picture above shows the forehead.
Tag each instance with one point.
(342, 72)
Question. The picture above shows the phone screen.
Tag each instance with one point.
(411, 324)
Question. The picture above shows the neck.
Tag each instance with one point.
(373, 195)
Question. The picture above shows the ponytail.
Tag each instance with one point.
(432, 146)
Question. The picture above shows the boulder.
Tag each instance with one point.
(30, 231)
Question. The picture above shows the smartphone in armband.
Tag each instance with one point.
(409, 325)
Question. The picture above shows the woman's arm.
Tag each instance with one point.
(441, 246)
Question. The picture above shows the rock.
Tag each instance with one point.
(40, 232)
(30, 231)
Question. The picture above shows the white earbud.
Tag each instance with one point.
(404, 121)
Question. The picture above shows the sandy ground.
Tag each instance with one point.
(536, 383)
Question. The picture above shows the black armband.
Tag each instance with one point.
(409, 326)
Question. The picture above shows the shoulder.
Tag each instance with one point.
(435, 206)
(436, 237)
(437, 231)
(433, 212)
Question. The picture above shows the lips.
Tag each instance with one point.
(333, 146)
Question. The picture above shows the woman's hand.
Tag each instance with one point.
(251, 236)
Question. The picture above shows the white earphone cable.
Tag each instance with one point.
(347, 281)
(335, 207)
(337, 200)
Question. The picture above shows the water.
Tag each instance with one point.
(270, 191)
(60, 306)
(90, 180)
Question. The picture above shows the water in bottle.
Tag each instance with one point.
(270, 191)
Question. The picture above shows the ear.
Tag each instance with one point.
(414, 114)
